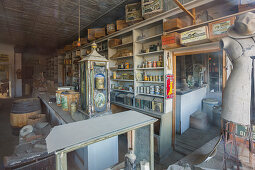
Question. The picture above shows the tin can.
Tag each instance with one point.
(154, 63)
(122, 66)
(149, 64)
(158, 63)
(159, 78)
(151, 78)
(148, 89)
(143, 65)
(156, 78)
(152, 90)
(126, 65)
(112, 86)
(73, 108)
(162, 90)
(157, 90)
(114, 75)
(145, 77)
(140, 89)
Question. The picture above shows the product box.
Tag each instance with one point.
(114, 42)
(151, 8)
(172, 24)
(120, 24)
(68, 47)
(84, 41)
(171, 40)
(110, 28)
(195, 36)
(96, 33)
(133, 12)
(218, 29)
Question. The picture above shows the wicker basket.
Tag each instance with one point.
(20, 120)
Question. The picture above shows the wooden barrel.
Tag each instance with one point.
(26, 105)
(21, 119)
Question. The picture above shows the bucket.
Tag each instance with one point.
(217, 115)
(208, 105)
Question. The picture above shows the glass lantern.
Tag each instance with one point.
(94, 83)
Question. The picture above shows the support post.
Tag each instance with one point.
(192, 15)
(61, 161)
(152, 145)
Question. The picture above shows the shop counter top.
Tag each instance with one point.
(63, 116)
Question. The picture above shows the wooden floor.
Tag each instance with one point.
(192, 139)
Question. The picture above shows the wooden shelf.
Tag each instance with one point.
(148, 39)
(152, 68)
(153, 52)
(156, 82)
(122, 69)
(154, 95)
(121, 57)
(122, 90)
(121, 80)
(150, 113)
(122, 45)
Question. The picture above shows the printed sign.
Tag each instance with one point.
(221, 28)
(169, 86)
(4, 58)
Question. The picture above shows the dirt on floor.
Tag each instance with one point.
(7, 139)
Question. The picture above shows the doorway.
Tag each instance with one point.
(199, 81)
(4, 80)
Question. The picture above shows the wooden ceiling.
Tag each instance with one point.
(48, 23)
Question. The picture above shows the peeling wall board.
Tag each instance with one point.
(89, 130)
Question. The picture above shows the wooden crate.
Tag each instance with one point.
(110, 28)
(84, 41)
(120, 24)
(171, 40)
(74, 44)
(91, 34)
(218, 29)
(172, 24)
(114, 42)
(151, 8)
(68, 47)
(99, 32)
(133, 12)
(245, 7)
(195, 36)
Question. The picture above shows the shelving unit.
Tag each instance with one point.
(150, 53)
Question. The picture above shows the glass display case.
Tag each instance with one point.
(215, 71)
(94, 83)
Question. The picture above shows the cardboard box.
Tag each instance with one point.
(114, 42)
(195, 36)
(120, 24)
(171, 40)
(110, 28)
(218, 29)
(133, 12)
(172, 24)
